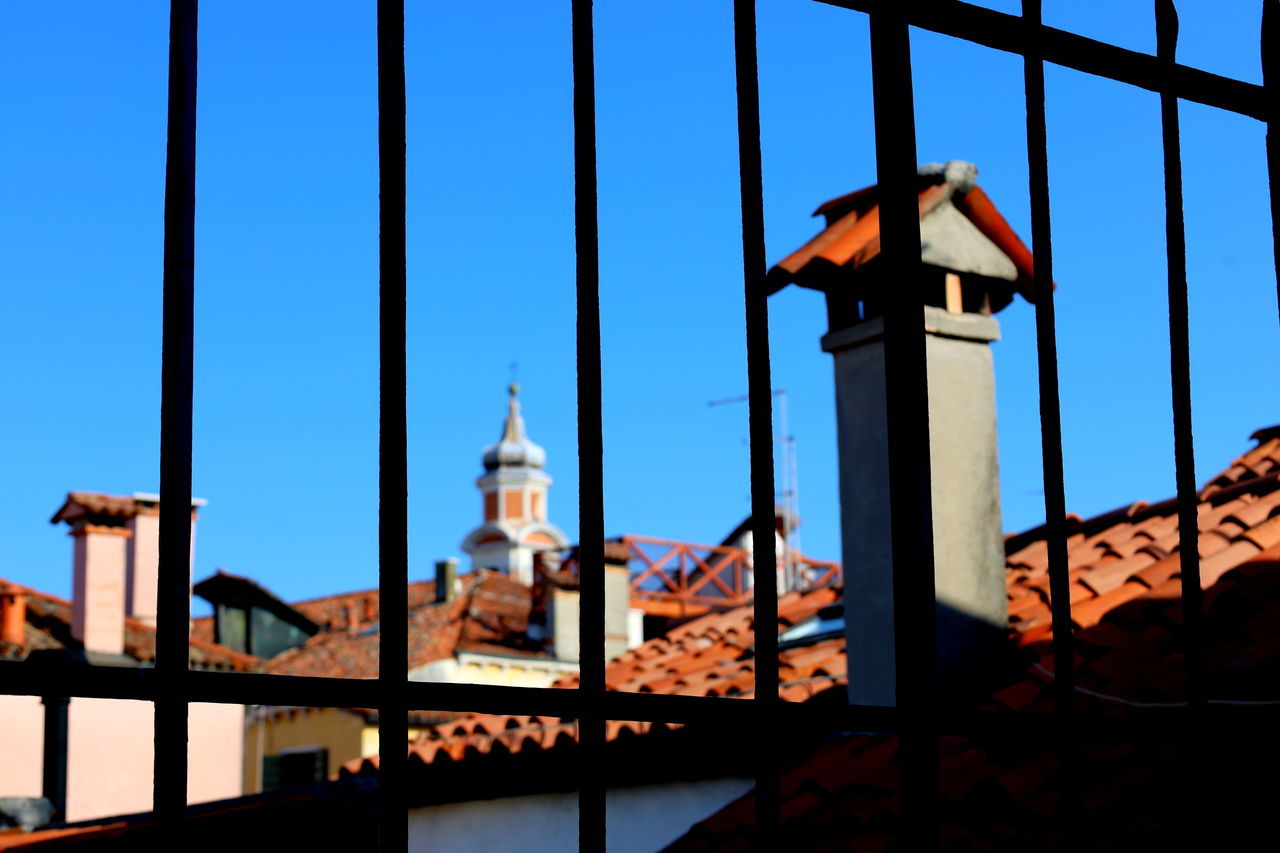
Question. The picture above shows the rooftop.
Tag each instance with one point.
(1126, 589)
(48, 626)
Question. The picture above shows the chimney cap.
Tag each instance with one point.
(150, 498)
(971, 236)
(98, 505)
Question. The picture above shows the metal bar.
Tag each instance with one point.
(1270, 46)
(591, 791)
(1055, 502)
(907, 402)
(54, 766)
(173, 604)
(759, 408)
(1008, 33)
(1180, 367)
(1183, 447)
(19, 678)
(393, 483)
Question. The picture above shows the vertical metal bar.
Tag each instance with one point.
(54, 773)
(907, 400)
(759, 407)
(1183, 446)
(1270, 46)
(173, 605)
(1180, 361)
(393, 482)
(1055, 501)
(591, 727)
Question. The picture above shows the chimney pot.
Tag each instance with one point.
(13, 615)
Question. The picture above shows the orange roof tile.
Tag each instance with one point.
(490, 615)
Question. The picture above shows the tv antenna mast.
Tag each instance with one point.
(789, 494)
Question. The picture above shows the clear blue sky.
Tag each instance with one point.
(285, 445)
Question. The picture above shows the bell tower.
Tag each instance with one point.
(513, 492)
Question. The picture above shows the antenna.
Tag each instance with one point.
(790, 491)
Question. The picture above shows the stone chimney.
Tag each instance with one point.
(623, 624)
(972, 266)
(447, 579)
(13, 615)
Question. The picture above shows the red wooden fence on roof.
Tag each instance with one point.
(670, 578)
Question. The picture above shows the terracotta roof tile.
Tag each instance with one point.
(490, 615)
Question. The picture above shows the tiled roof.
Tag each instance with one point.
(49, 627)
(1000, 795)
(1132, 552)
(336, 611)
(80, 504)
(491, 614)
(851, 237)
(709, 656)
(1125, 585)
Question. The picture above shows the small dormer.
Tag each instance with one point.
(250, 619)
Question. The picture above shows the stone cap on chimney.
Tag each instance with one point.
(945, 324)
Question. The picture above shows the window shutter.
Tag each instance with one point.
(271, 772)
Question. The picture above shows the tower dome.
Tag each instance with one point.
(514, 449)
(514, 493)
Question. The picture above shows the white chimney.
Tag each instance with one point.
(623, 624)
(142, 566)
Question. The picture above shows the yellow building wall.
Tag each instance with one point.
(514, 675)
(341, 732)
(369, 740)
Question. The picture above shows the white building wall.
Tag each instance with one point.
(642, 819)
(472, 668)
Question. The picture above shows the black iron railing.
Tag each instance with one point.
(172, 686)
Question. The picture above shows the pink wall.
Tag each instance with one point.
(215, 753)
(97, 617)
(21, 748)
(110, 753)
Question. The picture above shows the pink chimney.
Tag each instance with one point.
(115, 564)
